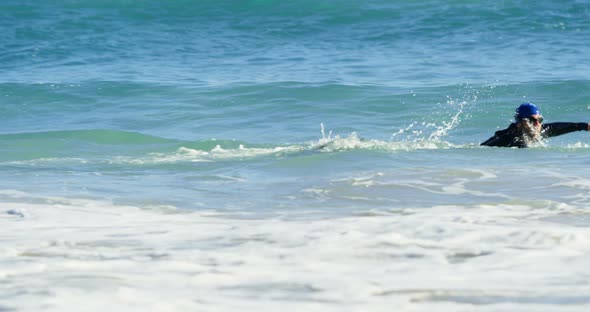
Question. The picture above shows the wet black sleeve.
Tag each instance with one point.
(559, 128)
(501, 138)
(505, 138)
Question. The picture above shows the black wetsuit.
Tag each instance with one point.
(512, 136)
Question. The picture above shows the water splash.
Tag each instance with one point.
(324, 138)
(432, 130)
(354, 142)
(443, 130)
(326, 144)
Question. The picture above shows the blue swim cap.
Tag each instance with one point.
(526, 110)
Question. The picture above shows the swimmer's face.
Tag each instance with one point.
(532, 125)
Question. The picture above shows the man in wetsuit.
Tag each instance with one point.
(528, 128)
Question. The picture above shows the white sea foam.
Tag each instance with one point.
(326, 144)
(185, 154)
(62, 254)
(354, 141)
(53, 161)
(578, 145)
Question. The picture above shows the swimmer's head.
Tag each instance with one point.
(526, 110)
(529, 121)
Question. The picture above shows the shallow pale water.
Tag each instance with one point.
(302, 156)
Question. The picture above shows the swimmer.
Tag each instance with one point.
(528, 128)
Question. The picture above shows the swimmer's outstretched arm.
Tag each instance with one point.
(559, 128)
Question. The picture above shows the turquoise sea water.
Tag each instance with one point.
(307, 155)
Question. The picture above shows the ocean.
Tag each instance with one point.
(263, 155)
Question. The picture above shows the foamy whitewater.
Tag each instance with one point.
(292, 156)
